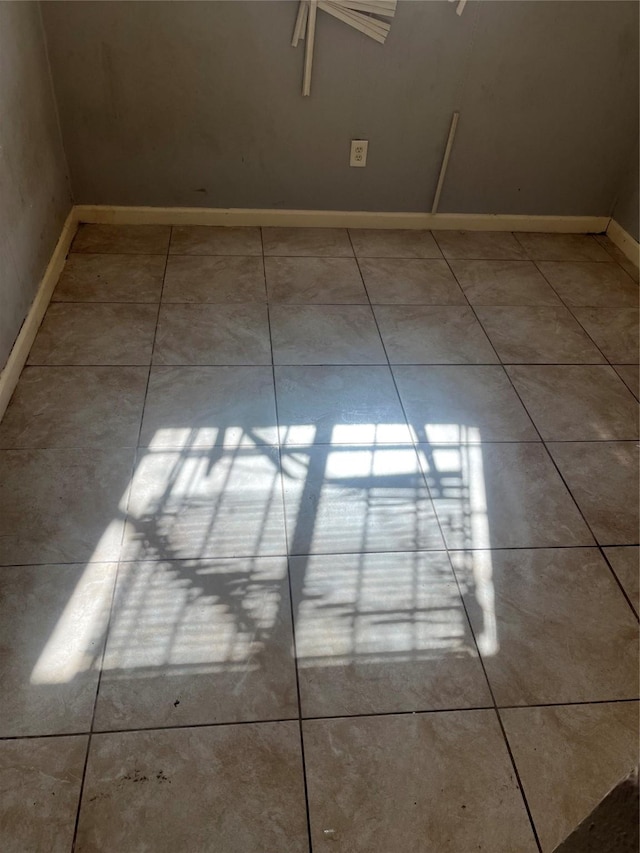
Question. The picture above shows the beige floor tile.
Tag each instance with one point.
(562, 247)
(227, 334)
(569, 758)
(40, 783)
(479, 245)
(610, 247)
(576, 402)
(325, 334)
(525, 335)
(196, 642)
(462, 403)
(615, 331)
(209, 406)
(191, 278)
(410, 281)
(603, 479)
(346, 499)
(339, 404)
(393, 243)
(503, 283)
(53, 620)
(195, 503)
(62, 505)
(311, 242)
(111, 278)
(551, 625)
(433, 335)
(414, 783)
(595, 285)
(232, 788)
(115, 333)
(630, 375)
(315, 280)
(122, 239)
(626, 564)
(215, 240)
(75, 407)
(378, 633)
(501, 496)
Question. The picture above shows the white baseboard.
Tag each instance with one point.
(121, 215)
(627, 244)
(20, 351)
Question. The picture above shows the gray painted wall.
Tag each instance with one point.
(34, 190)
(185, 103)
(626, 212)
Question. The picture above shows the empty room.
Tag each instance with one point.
(319, 387)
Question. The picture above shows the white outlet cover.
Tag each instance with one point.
(359, 149)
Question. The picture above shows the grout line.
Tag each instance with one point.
(110, 253)
(212, 725)
(80, 792)
(295, 663)
(453, 710)
(462, 601)
(115, 582)
(153, 344)
(495, 708)
(365, 715)
(358, 256)
(393, 378)
(563, 704)
(408, 424)
(568, 307)
(631, 604)
(338, 364)
(270, 556)
(519, 780)
(105, 301)
(291, 609)
(481, 661)
(95, 705)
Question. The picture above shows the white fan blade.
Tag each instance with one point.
(364, 6)
(301, 23)
(375, 30)
(308, 48)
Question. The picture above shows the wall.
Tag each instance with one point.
(34, 190)
(187, 103)
(626, 210)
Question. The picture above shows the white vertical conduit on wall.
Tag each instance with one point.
(460, 6)
(457, 99)
(445, 162)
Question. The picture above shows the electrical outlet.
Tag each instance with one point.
(359, 149)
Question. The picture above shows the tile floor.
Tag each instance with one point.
(317, 538)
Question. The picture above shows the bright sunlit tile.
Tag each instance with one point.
(377, 607)
(357, 499)
(451, 434)
(368, 433)
(193, 614)
(205, 503)
(74, 642)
